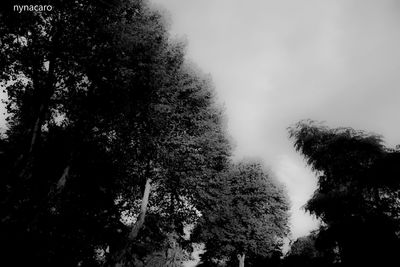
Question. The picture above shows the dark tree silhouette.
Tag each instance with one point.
(115, 144)
(358, 192)
(103, 111)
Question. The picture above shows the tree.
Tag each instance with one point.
(58, 182)
(358, 191)
(104, 116)
(245, 217)
(185, 128)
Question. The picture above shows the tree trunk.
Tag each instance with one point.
(37, 128)
(143, 208)
(43, 94)
(61, 182)
(117, 259)
(241, 259)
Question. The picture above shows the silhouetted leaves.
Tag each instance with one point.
(358, 191)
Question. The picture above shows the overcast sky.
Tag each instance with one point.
(276, 62)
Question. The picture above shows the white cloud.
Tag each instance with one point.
(300, 183)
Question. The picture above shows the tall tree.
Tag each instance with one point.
(45, 62)
(104, 116)
(358, 191)
(78, 78)
(186, 129)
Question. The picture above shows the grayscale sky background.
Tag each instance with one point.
(276, 62)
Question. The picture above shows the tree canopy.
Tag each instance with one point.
(357, 194)
(100, 105)
(245, 216)
(113, 142)
(116, 144)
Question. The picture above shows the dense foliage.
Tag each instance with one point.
(357, 195)
(245, 216)
(113, 142)
(100, 104)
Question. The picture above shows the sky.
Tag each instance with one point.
(275, 62)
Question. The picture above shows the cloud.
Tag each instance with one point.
(276, 62)
(300, 183)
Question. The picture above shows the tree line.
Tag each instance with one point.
(116, 154)
(116, 146)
